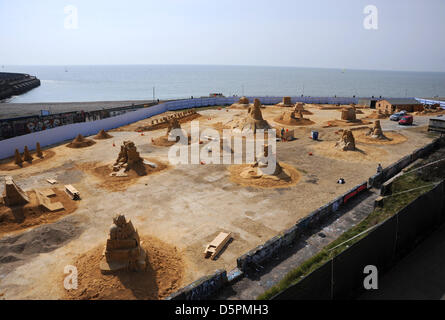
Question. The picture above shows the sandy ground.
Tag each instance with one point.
(184, 206)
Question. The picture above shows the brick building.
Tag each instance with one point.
(394, 105)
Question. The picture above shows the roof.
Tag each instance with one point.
(398, 101)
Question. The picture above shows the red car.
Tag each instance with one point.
(406, 120)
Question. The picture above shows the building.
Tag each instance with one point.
(390, 106)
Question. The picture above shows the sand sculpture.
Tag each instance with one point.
(168, 139)
(17, 157)
(80, 142)
(26, 155)
(346, 142)
(128, 157)
(294, 118)
(299, 106)
(243, 103)
(258, 168)
(13, 195)
(164, 121)
(348, 114)
(287, 102)
(102, 135)
(123, 250)
(254, 119)
(39, 152)
(376, 131)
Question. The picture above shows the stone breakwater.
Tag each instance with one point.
(13, 84)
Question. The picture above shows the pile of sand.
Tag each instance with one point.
(391, 137)
(31, 214)
(102, 135)
(345, 123)
(163, 277)
(293, 118)
(362, 153)
(164, 141)
(80, 142)
(377, 115)
(240, 174)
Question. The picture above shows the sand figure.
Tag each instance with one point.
(13, 195)
(299, 106)
(376, 131)
(18, 158)
(169, 139)
(26, 155)
(243, 103)
(127, 159)
(123, 250)
(346, 142)
(80, 142)
(102, 135)
(287, 102)
(39, 152)
(294, 118)
(258, 169)
(255, 119)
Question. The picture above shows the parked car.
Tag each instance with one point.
(406, 120)
(397, 116)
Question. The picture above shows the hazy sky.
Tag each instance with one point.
(310, 33)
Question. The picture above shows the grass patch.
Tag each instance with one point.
(392, 205)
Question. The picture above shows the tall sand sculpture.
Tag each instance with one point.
(254, 119)
(127, 158)
(168, 139)
(294, 118)
(39, 152)
(259, 168)
(17, 158)
(123, 251)
(346, 142)
(26, 155)
(376, 131)
(348, 114)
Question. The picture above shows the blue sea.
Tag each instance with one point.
(136, 82)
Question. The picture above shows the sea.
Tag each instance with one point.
(143, 82)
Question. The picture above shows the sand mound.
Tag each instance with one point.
(345, 123)
(163, 276)
(80, 142)
(365, 154)
(22, 217)
(239, 174)
(293, 118)
(377, 115)
(163, 141)
(391, 137)
(121, 183)
(102, 135)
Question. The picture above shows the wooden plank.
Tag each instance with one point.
(214, 247)
(51, 181)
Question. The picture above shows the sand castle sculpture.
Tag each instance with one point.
(39, 152)
(26, 155)
(80, 142)
(294, 117)
(17, 158)
(128, 157)
(243, 103)
(102, 135)
(376, 131)
(254, 119)
(258, 168)
(299, 106)
(348, 114)
(13, 195)
(163, 122)
(287, 102)
(123, 250)
(346, 142)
